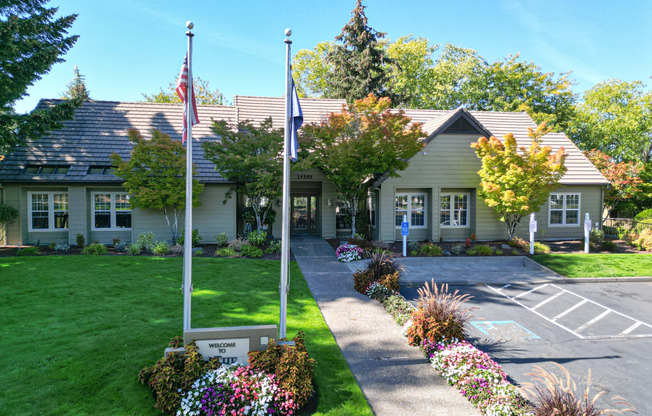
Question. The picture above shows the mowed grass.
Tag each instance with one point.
(597, 265)
(76, 330)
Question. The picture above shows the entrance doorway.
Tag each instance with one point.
(303, 219)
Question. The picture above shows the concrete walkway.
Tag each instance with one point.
(395, 378)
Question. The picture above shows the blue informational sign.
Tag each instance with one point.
(405, 228)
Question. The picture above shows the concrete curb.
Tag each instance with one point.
(607, 279)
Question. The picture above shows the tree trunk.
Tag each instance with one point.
(256, 208)
(354, 210)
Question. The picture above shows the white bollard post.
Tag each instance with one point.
(405, 226)
(587, 232)
(533, 229)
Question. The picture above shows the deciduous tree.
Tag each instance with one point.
(154, 176)
(364, 140)
(204, 95)
(516, 181)
(623, 176)
(32, 39)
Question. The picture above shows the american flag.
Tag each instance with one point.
(182, 87)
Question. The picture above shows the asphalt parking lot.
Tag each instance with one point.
(604, 327)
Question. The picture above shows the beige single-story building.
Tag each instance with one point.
(62, 184)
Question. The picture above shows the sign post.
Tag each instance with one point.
(405, 230)
(533, 229)
(587, 232)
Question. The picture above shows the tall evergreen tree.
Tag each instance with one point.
(358, 61)
(77, 88)
(32, 39)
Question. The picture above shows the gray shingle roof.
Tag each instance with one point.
(100, 128)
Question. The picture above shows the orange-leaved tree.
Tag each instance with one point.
(623, 176)
(516, 181)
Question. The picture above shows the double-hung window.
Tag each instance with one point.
(111, 211)
(454, 210)
(48, 211)
(564, 209)
(414, 206)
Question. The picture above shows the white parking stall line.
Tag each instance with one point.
(569, 310)
(594, 320)
(529, 291)
(551, 298)
(576, 332)
(631, 328)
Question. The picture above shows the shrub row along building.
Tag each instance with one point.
(62, 184)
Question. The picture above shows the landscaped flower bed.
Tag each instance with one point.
(348, 252)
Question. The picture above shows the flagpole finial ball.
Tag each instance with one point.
(190, 24)
(288, 32)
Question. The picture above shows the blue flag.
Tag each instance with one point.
(296, 120)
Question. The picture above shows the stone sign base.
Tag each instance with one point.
(229, 344)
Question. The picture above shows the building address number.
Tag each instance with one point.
(304, 176)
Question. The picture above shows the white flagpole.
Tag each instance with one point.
(187, 239)
(285, 228)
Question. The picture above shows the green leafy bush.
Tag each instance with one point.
(61, 246)
(362, 279)
(196, 238)
(539, 248)
(146, 241)
(457, 249)
(608, 245)
(133, 249)
(439, 314)
(173, 375)
(161, 248)
(80, 240)
(226, 252)
(399, 308)
(237, 244)
(292, 365)
(222, 239)
(644, 216)
(28, 251)
(177, 249)
(480, 250)
(251, 251)
(51, 245)
(197, 251)
(413, 246)
(366, 245)
(498, 252)
(7, 214)
(430, 250)
(643, 241)
(274, 247)
(257, 238)
(95, 249)
(596, 236)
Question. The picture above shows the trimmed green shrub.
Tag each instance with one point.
(643, 241)
(439, 315)
(257, 238)
(226, 252)
(362, 279)
(608, 245)
(61, 246)
(95, 249)
(644, 216)
(161, 248)
(539, 248)
(399, 308)
(51, 245)
(80, 240)
(430, 250)
(197, 251)
(146, 241)
(222, 239)
(173, 375)
(292, 365)
(413, 246)
(251, 251)
(457, 249)
(274, 247)
(596, 236)
(133, 249)
(28, 251)
(196, 238)
(498, 252)
(480, 250)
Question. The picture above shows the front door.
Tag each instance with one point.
(304, 215)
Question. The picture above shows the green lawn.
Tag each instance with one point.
(76, 330)
(597, 265)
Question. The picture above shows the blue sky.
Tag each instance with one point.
(127, 47)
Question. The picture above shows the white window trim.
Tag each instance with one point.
(112, 212)
(451, 210)
(409, 208)
(563, 210)
(50, 228)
